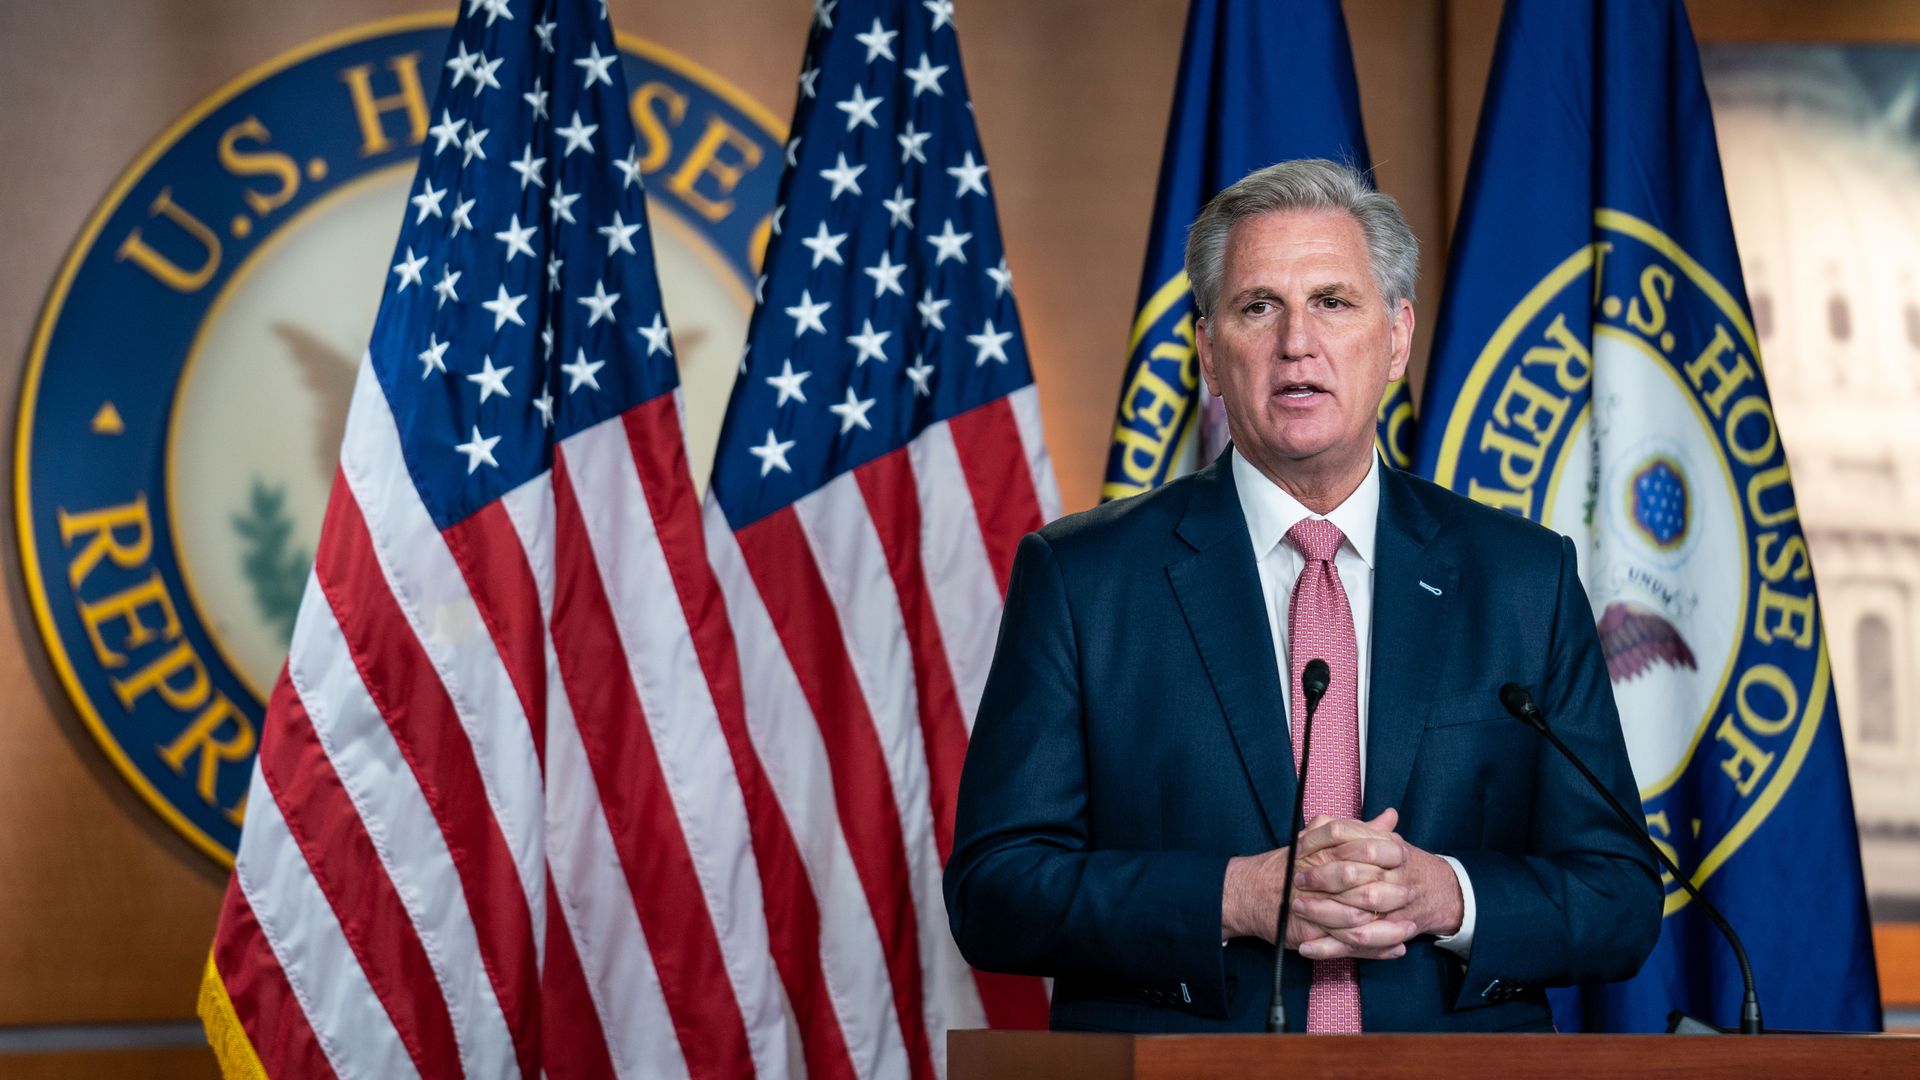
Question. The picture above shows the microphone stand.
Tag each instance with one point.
(1313, 686)
(1524, 709)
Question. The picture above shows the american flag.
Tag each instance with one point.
(880, 459)
(565, 775)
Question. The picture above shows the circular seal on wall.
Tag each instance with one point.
(1621, 404)
(187, 385)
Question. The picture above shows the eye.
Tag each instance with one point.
(1332, 303)
(1259, 307)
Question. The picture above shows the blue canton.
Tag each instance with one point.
(886, 304)
(521, 305)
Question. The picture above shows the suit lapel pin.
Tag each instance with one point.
(1430, 588)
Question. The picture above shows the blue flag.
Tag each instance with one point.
(1595, 369)
(1243, 100)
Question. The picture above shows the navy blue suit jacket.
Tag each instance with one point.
(1133, 737)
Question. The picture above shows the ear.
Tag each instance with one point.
(1402, 340)
(1204, 344)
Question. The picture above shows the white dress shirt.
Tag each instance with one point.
(1270, 512)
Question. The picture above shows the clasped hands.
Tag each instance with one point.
(1359, 891)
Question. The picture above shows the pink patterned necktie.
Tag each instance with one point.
(1320, 624)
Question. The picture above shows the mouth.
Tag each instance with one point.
(1301, 391)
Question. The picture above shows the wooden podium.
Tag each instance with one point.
(1042, 1055)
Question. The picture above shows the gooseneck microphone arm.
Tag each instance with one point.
(1520, 703)
(1313, 686)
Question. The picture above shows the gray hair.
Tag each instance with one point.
(1393, 253)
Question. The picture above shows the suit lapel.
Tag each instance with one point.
(1404, 657)
(1218, 589)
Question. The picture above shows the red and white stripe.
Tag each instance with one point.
(590, 784)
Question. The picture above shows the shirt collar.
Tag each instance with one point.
(1270, 511)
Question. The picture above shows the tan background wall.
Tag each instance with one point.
(104, 915)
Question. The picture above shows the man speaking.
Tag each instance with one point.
(1129, 788)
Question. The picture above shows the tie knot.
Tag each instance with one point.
(1316, 538)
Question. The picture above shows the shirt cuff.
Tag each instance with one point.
(1460, 943)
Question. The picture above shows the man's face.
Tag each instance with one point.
(1301, 345)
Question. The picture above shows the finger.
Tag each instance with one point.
(1336, 877)
(1377, 934)
(1330, 914)
(1387, 820)
(1333, 949)
(1333, 832)
(1380, 898)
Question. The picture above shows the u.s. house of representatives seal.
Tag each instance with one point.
(1652, 443)
(181, 412)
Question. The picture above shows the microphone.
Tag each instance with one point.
(1313, 686)
(1520, 703)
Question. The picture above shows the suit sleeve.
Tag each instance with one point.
(1026, 891)
(1584, 903)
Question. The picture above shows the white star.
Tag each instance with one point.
(824, 246)
(920, 372)
(886, 276)
(806, 81)
(658, 335)
(544, 406)
(969, 175)
(949, 244)
(596, 66)
(578, 135)
(582, 370)
(529, 168)
(806, 315)
(823, 11)
(772, 454)
(630, 170)
(492, 380)
(471, 148)
(516, 239)
(445, 133)
(778, 212)
(930, 310)
(788, 383)
(910, 143)
(537, 97)
(496, 9)
(852, 412)
(900, 208)
(1002, 278)
(869, 342)
(844, 177)
(434, 357)
(619, 235)
(992, 346)
(793, 152)
(483, 70)
(879, 41)
(545, 30)
(942, 12)
(479, 451)
(859, 109)
(554, 263)
(428, 200)
(462, 63)
(460, 219)
(600, 304)
(506, 309)
(409, 270)
(449, 277)
(926, 77)
(561, 203)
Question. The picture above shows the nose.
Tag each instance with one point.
(1298, 339)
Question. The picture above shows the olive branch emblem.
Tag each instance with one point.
(277, 576)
